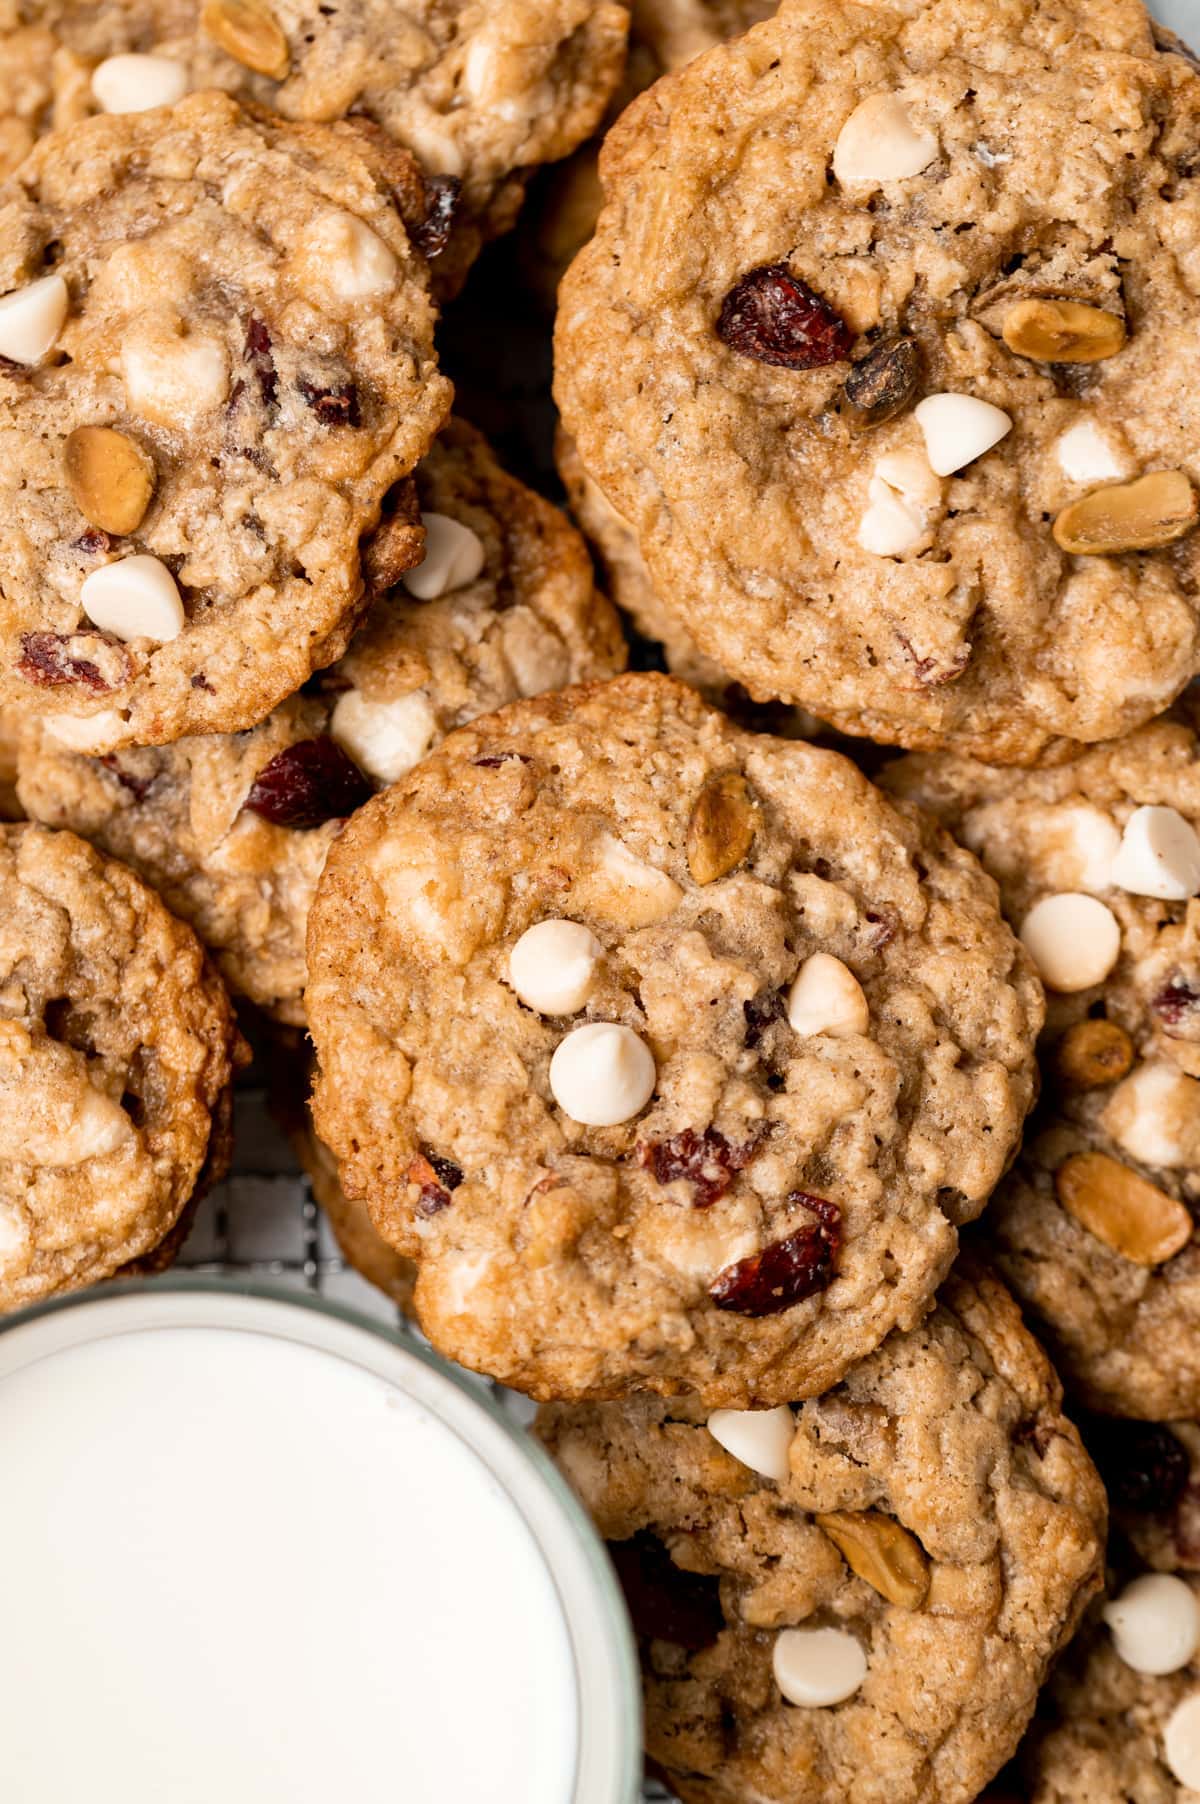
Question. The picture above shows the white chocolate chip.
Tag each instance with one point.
(890, 526)
(354, 260)
(759, 1438)
(173, 380)
(134, 84)
(879, 143)
(1073, 939)
(623, 888)
(1154, 1115)
(1155, 1623)
(602, 1074)
(14, 1237)
(909, 473)
(827, 998)
(1181, 1742)
(958, 429)
(1159, 856)
(135, 598)
(817, 1667)
(384, 738)
(31, 319)
(84, 732)
(901, 492)
(82, 1123)
(1087, 455)
(454, 557)
(553, 965)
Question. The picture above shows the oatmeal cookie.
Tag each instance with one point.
(479, 91)
(233, 829)
(117, 1050)
(226, 361)
(876, 348)
(859, 1600)
(674, 1054)
(1098, 863)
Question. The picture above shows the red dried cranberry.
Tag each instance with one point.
(435, 1178)
(1176, 1001)
(307, 784)
(92, 542)
(46, 659)
(760, 1011)
(335, 406)
(788, 1270)
(708, 1162)
(1144, 1466)
(441, 204)
(139, 787)
(258, 354)
(665, 1602)
(932, 673)
(774, 317)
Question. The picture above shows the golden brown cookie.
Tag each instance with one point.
(860, 1599)
(217, 359)
(674, 1054)
(872, 351)
(117, 1051)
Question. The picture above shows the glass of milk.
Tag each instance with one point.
(259, 1551)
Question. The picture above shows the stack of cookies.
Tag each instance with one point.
(727, 1100)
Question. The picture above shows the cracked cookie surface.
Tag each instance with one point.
(1121, 1059)
(244, 369)
(479, 91)
(783, 1194)
(969, 1527)
(117, 1051)
(213, 822)
(747, 228)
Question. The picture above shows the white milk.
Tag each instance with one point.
(239, 1570)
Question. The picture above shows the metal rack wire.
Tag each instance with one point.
(262, 1222)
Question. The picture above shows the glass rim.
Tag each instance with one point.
(623, 1734)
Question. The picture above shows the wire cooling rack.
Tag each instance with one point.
(262, 1222)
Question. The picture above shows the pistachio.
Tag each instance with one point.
(1062, 331)
(111, 479)
(721, 828)
(884, 381)
(250, 33)
(1127, 1213)
(1130, 516)
(1092, 1054)
(877, 1549)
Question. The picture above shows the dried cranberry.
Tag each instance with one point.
(788, 1270)
(93, 541)
(1176, 1001)
(760, 1011)
(933, 673)
(46, 659)
(258, 354)
(336, 406)
(441, 204)
(774, 317)
(449, 1173)
(665, 1602)
(307, 784)
(707, 1161)
(138, 786)
(1144, 1466)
